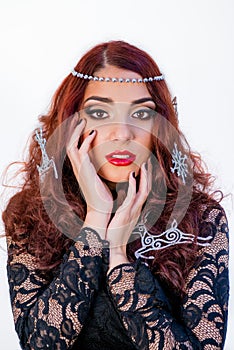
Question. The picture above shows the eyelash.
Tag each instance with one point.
(150, 113)
(91, 113)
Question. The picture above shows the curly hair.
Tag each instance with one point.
(31, 214)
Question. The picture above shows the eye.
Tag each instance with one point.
(143, 114)
(97, 113)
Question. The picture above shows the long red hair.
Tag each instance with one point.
(26, 216)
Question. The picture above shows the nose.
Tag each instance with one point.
(121, 131)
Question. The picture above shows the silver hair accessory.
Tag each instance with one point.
(175, 105)
(46, 162)
(179, 163)
(170, 237)
(115, 80)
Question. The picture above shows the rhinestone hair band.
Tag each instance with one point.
(116, 80)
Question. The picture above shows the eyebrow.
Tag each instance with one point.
(109, 100)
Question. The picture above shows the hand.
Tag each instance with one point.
(97, 195)
(127, 215)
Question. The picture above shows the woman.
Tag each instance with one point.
(116, 240)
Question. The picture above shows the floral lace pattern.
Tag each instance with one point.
(203, 315)
(81, 308)
(50, 314)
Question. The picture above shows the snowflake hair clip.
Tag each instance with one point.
(170, 237)
(46, 163)
(179, 162)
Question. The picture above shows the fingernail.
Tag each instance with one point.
(146, 166)
(134, 174)
(79, 121)
(91, 132)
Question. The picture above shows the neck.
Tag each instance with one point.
(118, 191)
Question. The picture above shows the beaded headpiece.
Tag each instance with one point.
(117, 80)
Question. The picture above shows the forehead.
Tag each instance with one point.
(118, 92)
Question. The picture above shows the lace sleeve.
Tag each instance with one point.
(146, 313)
(50, 314)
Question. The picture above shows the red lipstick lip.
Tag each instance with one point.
(121, 158)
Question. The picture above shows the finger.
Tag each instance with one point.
(72, 123)
(75, 133)
(131, 194)
(147, 173)
(143, 185)
(87, 142)
(150, 175)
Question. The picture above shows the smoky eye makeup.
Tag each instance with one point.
(143, 113)
(101, 111)
(96, 112)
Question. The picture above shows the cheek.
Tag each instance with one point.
(86, 133)
(98, 150)
(93, 124)
(98, 127)
(146, 140)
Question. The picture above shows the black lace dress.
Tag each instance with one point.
(83, 308)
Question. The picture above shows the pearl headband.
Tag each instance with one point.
(115, 80)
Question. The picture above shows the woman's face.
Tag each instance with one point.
(123, 116)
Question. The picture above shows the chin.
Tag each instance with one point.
(117, 174)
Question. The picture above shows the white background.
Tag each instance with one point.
(193, 43)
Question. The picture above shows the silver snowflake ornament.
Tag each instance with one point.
(179, 162)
